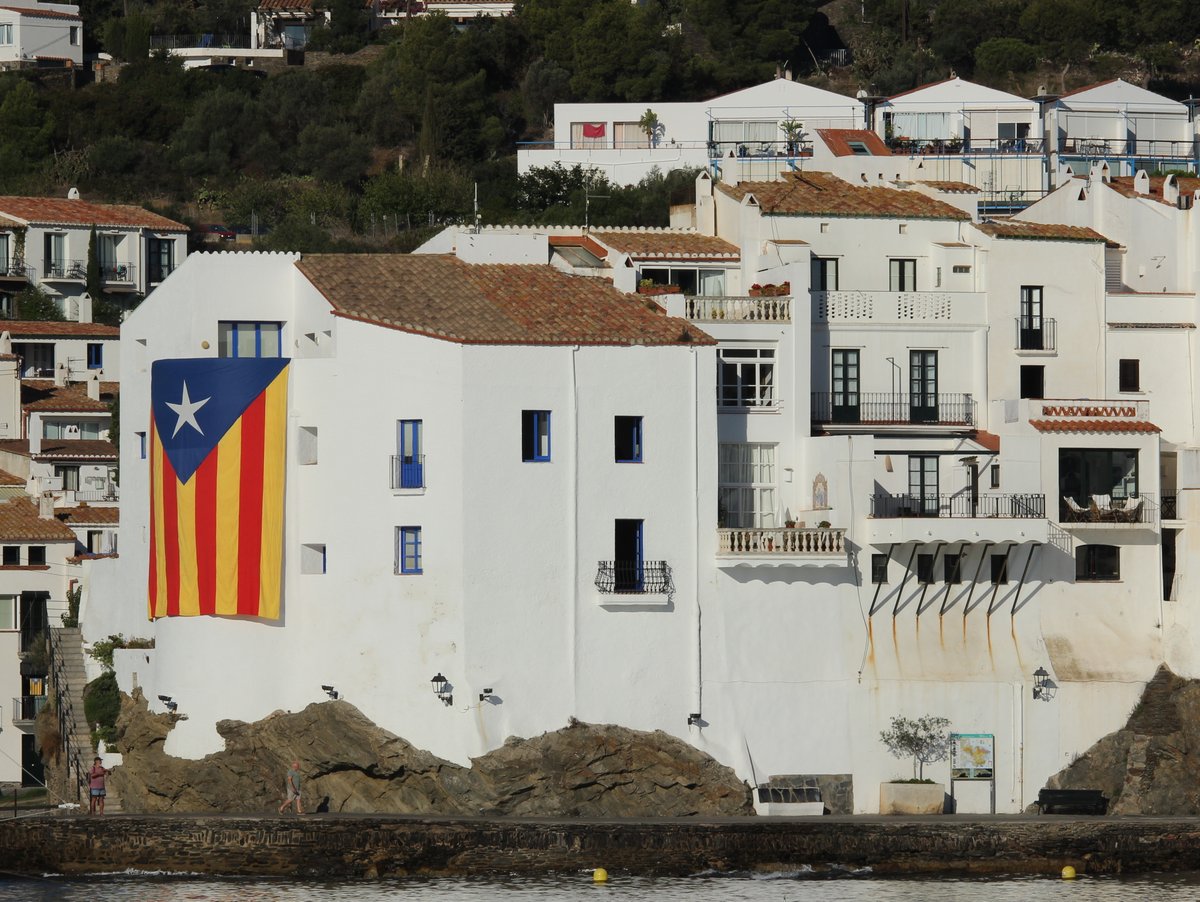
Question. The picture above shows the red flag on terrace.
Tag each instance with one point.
(593, 129)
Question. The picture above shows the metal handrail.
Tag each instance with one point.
(1042, 337)
(27, 707)
(633, 577)
(66, 712)
(886, 408)
(1013, 506)
(1135, 508)
(408, 471)
(66, 269)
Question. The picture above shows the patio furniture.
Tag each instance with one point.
(1129, 513)
(1076, 513)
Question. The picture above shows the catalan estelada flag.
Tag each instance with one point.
(218, 428)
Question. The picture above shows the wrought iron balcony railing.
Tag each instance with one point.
(633, 577)
(960, 505)
(886, 409)
(408, 471)
(69, 270)
(118, 273)
(1105, 509)
(1170, 507)
(15, 268)
(1037, 335)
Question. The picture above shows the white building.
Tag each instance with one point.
(44, 242)
(36, 34)
(285, 24)
(392, 12)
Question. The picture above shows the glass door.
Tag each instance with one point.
(627, 559)
(844, 378)
(923, 485)
(923, 387)
(1031, 318)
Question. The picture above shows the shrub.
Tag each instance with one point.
(101, 705)
(999, 56)
(925, 740)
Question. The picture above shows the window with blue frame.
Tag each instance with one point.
(249, 339)
(535, 435)
(408, 549)
(408, 468)
(95, 356)
(628, 440)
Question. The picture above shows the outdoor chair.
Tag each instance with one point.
(1077, 513)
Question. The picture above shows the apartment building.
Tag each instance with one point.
(39, 35)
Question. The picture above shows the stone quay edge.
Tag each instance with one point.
(358, 846)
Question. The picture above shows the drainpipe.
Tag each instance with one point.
(696, 544)
(573, 532)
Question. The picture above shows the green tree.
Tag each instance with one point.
(95, 282)
(34, 304)
(925, 740)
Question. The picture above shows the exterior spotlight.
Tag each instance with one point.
(694, 719)
(441, 688)
(486, 694)
(331, 692)
(1043, 686)
(169, 702)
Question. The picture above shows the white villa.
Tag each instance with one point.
(35, 34)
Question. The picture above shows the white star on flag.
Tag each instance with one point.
(186, 409)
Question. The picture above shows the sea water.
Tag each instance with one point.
(796, 887)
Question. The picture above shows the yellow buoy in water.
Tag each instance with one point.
(599, 876)
(1068, 873)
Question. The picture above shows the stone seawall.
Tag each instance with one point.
(364, 846)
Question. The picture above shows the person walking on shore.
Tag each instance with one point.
(96, 786)
(293, 789)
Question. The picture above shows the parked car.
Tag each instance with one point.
(221, 232)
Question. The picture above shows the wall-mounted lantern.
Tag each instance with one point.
(1043, 687)
(441, 688)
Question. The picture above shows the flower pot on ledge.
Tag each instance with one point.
(912, 798)
(659, 289)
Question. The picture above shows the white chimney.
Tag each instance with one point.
(5, 342)
(1141, 183)
(35, 435)
(60, 374)
(1170, 190)
(93, 386)
(46, 506)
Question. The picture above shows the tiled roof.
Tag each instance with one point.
(1123, 184)
(1039, 231)
(87, 515)
(1152, 325)
(6, 223)
(32, 12)
(19, 522)
(989, 440)
(824, 194)
(25, 328)
(63, 449)
(285, 4)
(666, 244)
(951, 187)
(62, 211)
(8, 479)
(43, 395)
(838, 140)
(1094, 426)
(443, 297)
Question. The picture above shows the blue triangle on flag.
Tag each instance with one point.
(195, 401)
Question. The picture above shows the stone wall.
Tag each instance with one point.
(345, 846)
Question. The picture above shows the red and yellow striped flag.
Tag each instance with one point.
(217, 458)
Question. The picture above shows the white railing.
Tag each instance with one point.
(739, 309)
(897, 306)
(781, 541)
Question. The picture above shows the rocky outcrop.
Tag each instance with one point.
(351, 765)
(1149, 767)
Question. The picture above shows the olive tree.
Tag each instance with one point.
(925, 740)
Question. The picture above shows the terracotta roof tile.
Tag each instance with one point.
(443, 297)
(1152, 325)
(32, 12)
(19, 522)
(1039, 231)
(24, 328)
(8, 479)
(61, 211)
(44, 395)
(285, 4)
(63, 449)
(87, 515)
(824, 194)
(1123, 184)
(1094, 426)
(950, 187)
(583, 241)
(666, 244)
(989, 440)
(838, 141)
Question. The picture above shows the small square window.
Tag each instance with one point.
(1129, 375)
(306, 445)
(628, 439)
(960, 270)
(999, 569)
(879, 569)
(824, 227)
(1033, 382)
(1097, 563)
(12, 556)
(141, 444)
(925, 569)
(37, 555)
(408, 549)
(903, 228)
(953, 568)
(535, 435)
(312, 558)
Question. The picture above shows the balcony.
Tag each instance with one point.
(1037, 335)
(1127, 147)
(915, 308)
(117, 274)
(957, 147)
(888, 409)
(408, 472)
(26, 708)
(633, 578)
(1170, 507)
(65, 271)
(1107, 512)
(15, 270)
(738, 309)
(1015, 517)
(781, 545)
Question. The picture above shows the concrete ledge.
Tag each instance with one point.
(358, 846)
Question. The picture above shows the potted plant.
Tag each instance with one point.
(756, 290)
(924, 740)
(652, 126)
(792, 130)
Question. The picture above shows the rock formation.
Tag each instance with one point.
(1149, 767)
(351, 765)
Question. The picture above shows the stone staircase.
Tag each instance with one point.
(70, 677)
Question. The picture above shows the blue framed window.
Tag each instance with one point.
(141, 445)
(628, 440)
(535, 435)
(249, 339)
(409, 469)
(408, 549)
(95, 356)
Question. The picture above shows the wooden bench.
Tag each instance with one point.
(1072, 801)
